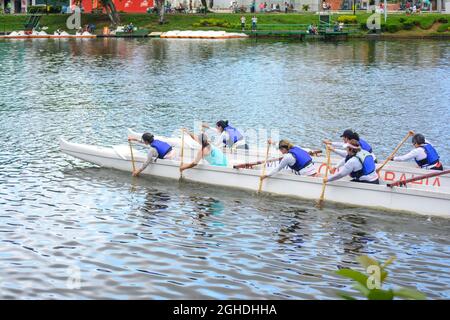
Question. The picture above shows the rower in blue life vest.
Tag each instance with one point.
(211, 154)
(358, 163)
(348, 135)
(158, 150)
(294, 157)
(228, 136)
(423, 153)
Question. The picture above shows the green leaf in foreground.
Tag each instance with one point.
(354, 275)
(370, 285)
(365, 261)
(378, 294)
(409, 293)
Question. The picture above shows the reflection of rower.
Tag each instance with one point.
(423, 153)
(358, 163)
(229, 136)
(295, 158)
(158, 150)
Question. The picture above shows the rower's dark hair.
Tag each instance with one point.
(355, 136)
(148, 137)
(203, 140)
(222, 123)
(418, 139)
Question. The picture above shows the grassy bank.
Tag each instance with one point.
(398, 25)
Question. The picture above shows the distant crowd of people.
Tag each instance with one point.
(326, 6)
(413, 7)
(267, 7)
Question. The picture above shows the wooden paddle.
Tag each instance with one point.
(252, 164)
(263, 168)
(182, 153)
(400, 183)
(410, 133)
(324, 183)
(255, 163)
(132, 157)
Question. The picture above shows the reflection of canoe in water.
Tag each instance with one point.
(188, 34)
(393, 171)
(419, 200)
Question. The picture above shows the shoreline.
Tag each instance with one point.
(398, 26)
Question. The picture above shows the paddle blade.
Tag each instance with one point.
(319, 204)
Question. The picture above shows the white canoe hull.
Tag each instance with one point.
(423, 202)
(393, 171)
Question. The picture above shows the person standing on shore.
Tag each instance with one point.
(243, 23)
(254, 22)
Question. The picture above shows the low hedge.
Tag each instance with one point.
(427, 23)
(444, 27)
(211, 22)
(348, 19)
(408, 24)
(392, 27)
(43, 9)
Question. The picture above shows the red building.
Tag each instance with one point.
(131, 6)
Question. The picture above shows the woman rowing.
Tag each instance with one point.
(358, 163)
(295, 158)
(211, 154)
(423, 153)
(158, 150)
(348, 135)
(229, 136)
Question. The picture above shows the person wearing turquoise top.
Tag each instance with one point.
(211, 154)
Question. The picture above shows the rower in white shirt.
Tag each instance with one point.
(346, 137)
(229, 136)
(295, 158)
(358, 163)
(424, 154)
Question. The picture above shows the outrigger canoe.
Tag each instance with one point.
(415, 199)
(393, 171)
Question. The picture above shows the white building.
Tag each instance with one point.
(298, 4)
(227, 4)
(16, 6)
(21, 6)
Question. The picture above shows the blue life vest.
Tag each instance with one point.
(365, 146)
(432, 156)
(302, 158)
(367, 162)
(162, 147)
(233, 133)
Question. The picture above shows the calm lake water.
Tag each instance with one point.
(71, 230)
